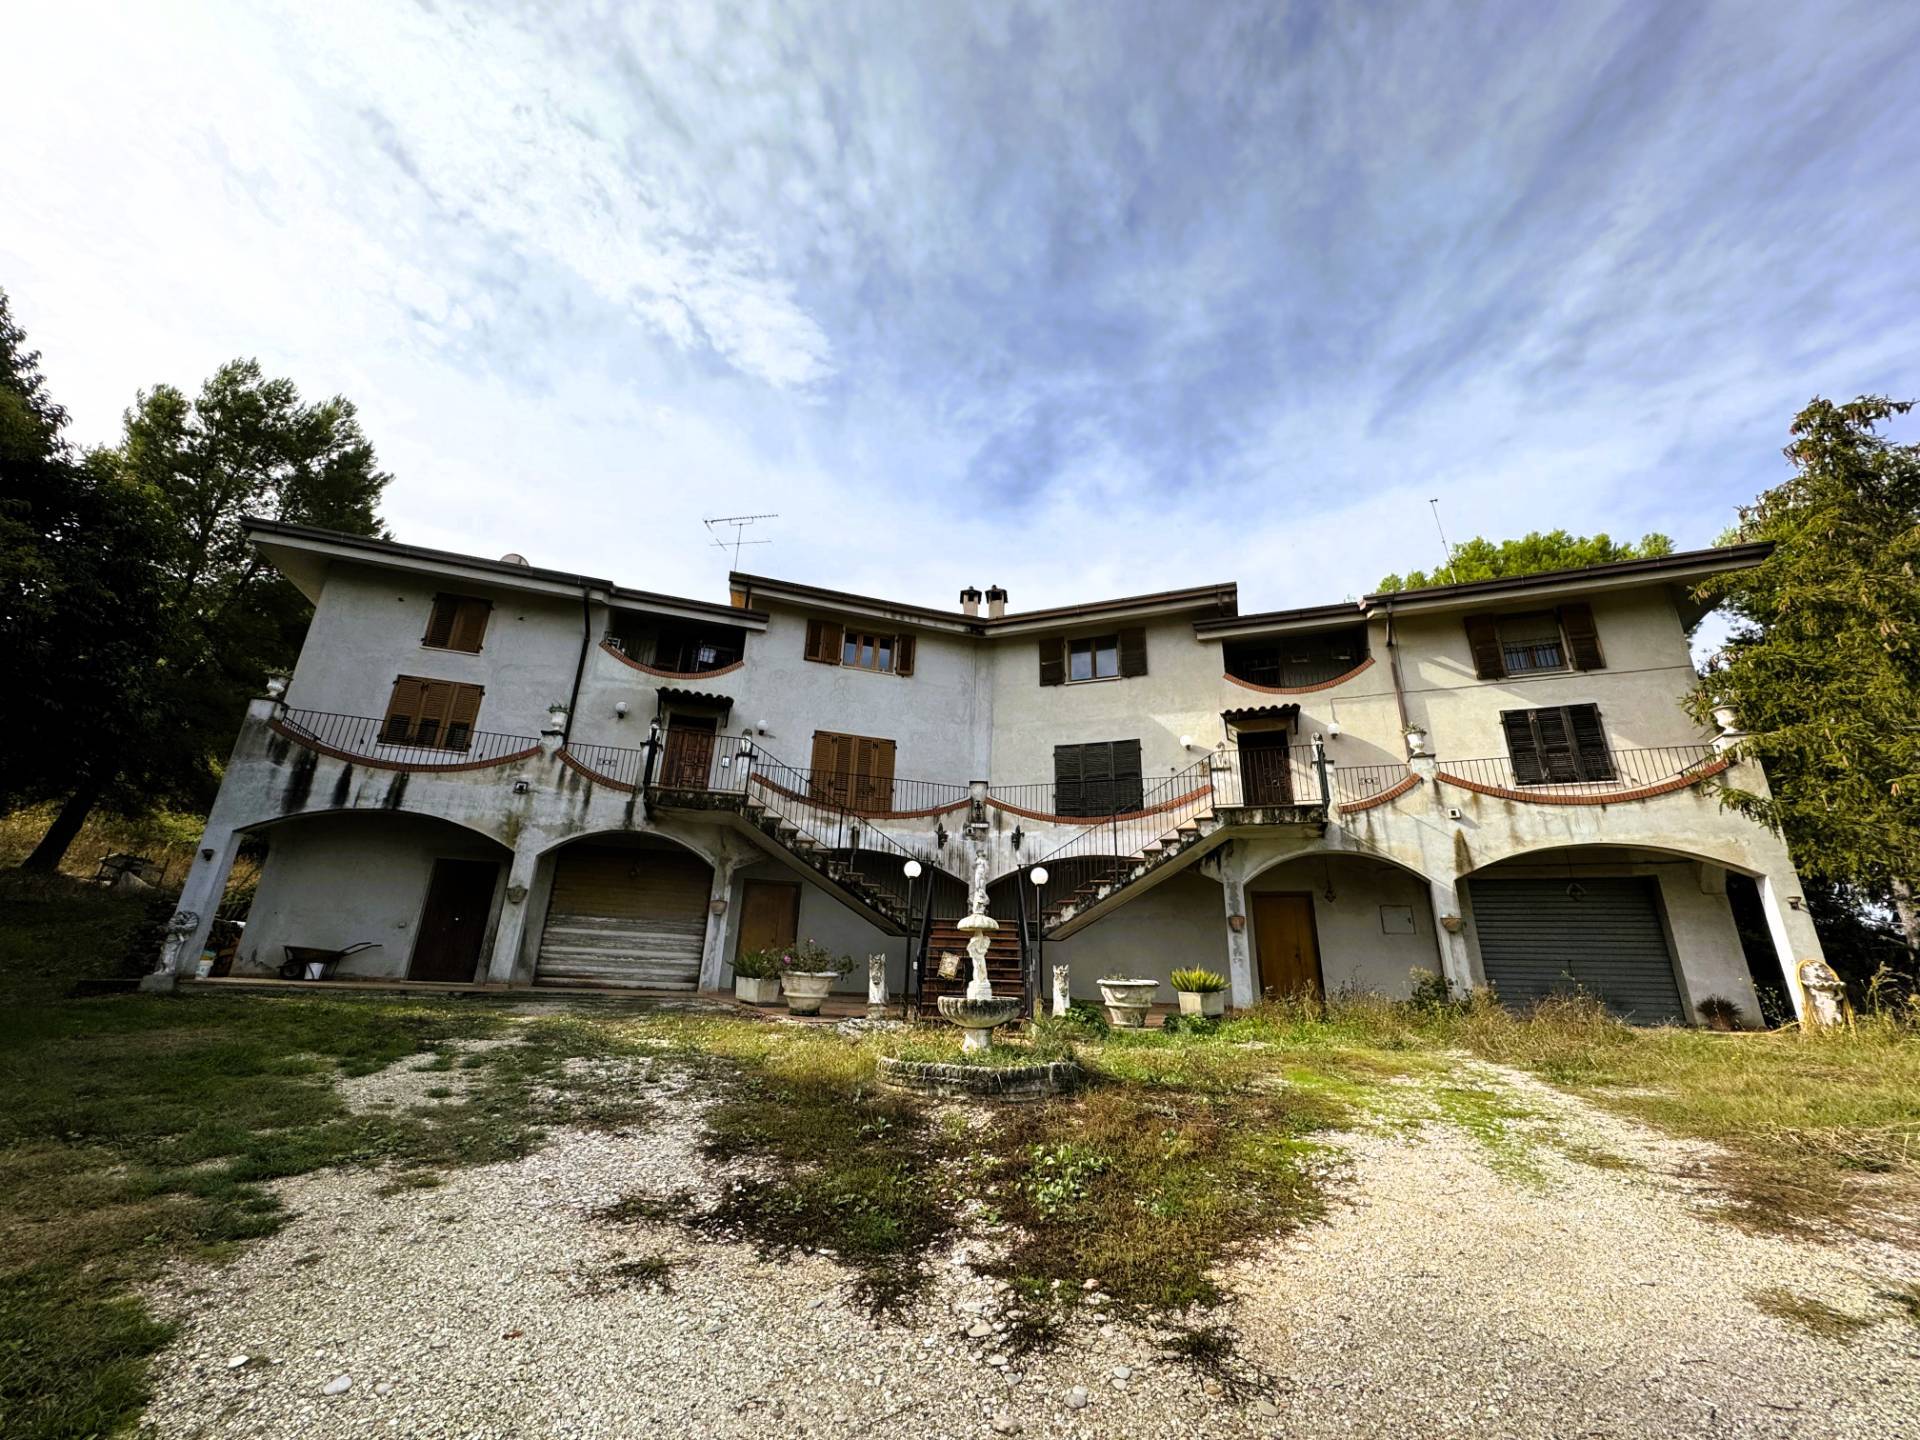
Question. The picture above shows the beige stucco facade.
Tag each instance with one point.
(1385, 869)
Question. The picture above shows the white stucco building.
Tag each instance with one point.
(492, 773)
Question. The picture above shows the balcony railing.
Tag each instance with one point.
(1588, 777)
(1107, 848)
(425, 745)
(611, 763)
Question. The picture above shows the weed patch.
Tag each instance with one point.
(1816, 1317)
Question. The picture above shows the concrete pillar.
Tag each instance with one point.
(1245, 986)
(510, 935)
(1450, 933)
(1794, 938)
(200, 897)
(716, 961)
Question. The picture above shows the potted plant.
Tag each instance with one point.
(807, 972)
(756, 977)
(1720, 1013)
(1127, 998)
(556, 717)
(1201, 992)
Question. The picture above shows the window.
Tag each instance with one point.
(1098, 779)
(457, 622)
(1535, 641)
(1094, 657)
(1560, 745)
(1531, 642)
(854, 772)
(431, 714)
(830, 643)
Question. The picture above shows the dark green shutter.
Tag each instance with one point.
(1583, 640)
(1069, 796)
(1483, 639)
(1133, 652)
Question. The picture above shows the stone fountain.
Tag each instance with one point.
(979, 1011)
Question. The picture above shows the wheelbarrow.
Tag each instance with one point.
(308, 962)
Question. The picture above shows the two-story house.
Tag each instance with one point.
(489, 772)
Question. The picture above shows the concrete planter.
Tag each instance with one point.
(1127, 1001)
(761, 990)
(1210, 1003)
(805, 991)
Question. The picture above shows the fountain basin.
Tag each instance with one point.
(987, 1082)
(979, 1018)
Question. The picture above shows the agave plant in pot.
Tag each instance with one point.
(756, 977)
(807, 972)
(1201, 992)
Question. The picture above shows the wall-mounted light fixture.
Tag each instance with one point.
(1186, 742)
(620, 711)
(1017, 836)
(1333, 729)
(939, 835)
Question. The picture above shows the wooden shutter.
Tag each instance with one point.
(1053, 662)
(829, 764)
(1591, 756)
(436, 700)
(403, 709)
(1133, 651)
(823, 641)
(1096, 778)
(463, 708)
(440, 621)
(469, 624)
(1583, 640)
(1483, 639)
(1555, 739)
(1128, 785)
(1522, 748)
(903, 654)
(874, 790)
(1068, 793)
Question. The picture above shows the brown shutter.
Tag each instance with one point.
(1133, 651)
(1053, 661)
(440, 621)
(469, 625)
(876, 763)
(903, 654)
(463, 708)
(1591, 756)
(430, 725)
(403, 708)
(1583, 640)
(1483, 638)
(823, 641)
(1522, 748)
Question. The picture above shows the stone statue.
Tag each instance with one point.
(1062, 990)
(979, 896)
(1826, 995)
(876, 987)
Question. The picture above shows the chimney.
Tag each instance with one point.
(970, 601)
(996, 602)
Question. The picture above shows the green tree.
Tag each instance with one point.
(1483, 559)
(223, 619)
(77, 593)
(1822, 668)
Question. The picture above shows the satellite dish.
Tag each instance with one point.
(514, 558)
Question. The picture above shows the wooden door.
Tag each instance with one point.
(689, 752)
(1265, 773)
(1288, 945)
(769, 915)
(453, 923)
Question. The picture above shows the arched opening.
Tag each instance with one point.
(425, 896)
(623, 911)
(1328, 922)
(1650, 932)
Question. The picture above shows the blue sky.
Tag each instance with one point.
(1080, 299)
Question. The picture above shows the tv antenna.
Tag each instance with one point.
(1445, 548)
(739, 539)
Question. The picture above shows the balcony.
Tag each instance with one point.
(1612, 777)
(398, 745)
(675, 651)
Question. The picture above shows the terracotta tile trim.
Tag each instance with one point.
(1391, 793)
(1614, 797)
(594, 775)
(927, 814)
(374, 763)
(1088, 821)
(1300, 689)
(626, 659)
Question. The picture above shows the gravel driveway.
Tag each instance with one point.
(1446, 1295)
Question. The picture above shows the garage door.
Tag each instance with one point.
(625, 916)
(1603, 936)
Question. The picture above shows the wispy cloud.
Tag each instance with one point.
(1077, 298)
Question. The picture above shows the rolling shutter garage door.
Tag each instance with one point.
(625, 916)
(1538, 940)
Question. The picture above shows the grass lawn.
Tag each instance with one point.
(139, 1130)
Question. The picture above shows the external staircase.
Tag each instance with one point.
(1006, 961)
